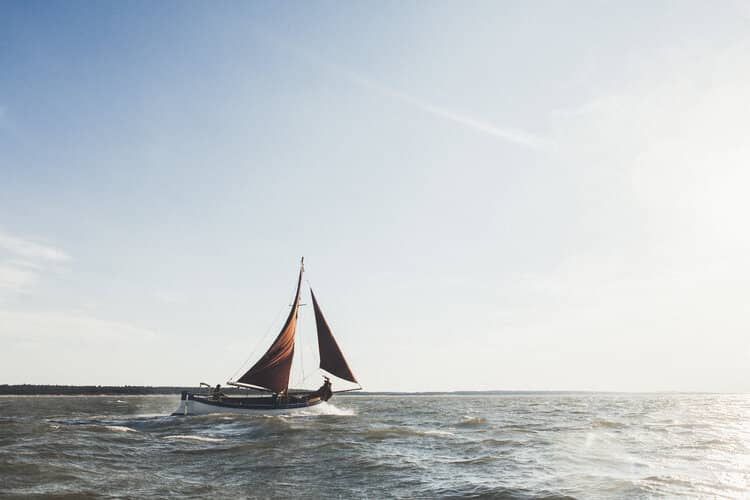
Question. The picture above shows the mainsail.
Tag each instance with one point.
(331, 358)
(272, 370)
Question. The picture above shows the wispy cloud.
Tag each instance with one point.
(506, 134)
(16, 278)
(70, 348)
(29, 249)
(48, 327)
(23, 261)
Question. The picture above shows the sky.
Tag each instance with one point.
(488, 195)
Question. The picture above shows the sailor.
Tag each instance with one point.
(325, 390)
(217, 394)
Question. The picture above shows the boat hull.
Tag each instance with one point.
(195, 404)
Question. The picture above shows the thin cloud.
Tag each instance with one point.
(23, 262)
(29, 249)
(511, 135)
(16, 278)
(63, 327)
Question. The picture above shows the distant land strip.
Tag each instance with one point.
(141, 390)
(89, 390)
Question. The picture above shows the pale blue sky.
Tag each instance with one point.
(489, 195)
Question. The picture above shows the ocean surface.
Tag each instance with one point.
(484, 446)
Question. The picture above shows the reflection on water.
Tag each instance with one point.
(509, 446)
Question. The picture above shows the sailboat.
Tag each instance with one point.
(269, 376)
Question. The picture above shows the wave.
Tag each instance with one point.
(500, 443)
(92, 425)
(119, 428)
(469, 421)
(607, 424)
(189, 437)
(330, 409)
(484, 459)
(322, 409)
(397, 432)
(437, 432)
(151, 416)
(483, 491)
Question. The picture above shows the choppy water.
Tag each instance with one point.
(508, 446)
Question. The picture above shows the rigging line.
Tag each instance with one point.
(309, 285)
(304, 350)
(312, 352)
(349, 390)
(305, 376)
(254, 352)
(302, 382)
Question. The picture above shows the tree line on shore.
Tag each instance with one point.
(85, 390)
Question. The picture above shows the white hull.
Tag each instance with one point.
(192, 407)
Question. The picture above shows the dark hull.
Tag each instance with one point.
(200, 404)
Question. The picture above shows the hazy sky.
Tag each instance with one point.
(489, 195)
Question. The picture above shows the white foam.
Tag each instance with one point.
(329, 409)
(437, 432)
(196, 438)
(317, 410)
(119, 428)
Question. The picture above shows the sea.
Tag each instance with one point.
(514, 446)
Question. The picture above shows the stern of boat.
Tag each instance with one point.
(184, 408)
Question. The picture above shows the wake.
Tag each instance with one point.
(326, 409)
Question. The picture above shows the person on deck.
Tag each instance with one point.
(217, 394)
(325, 391)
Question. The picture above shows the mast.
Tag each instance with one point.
(331, 358)
(272, 370)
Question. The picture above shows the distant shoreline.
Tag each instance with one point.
(86, 390)
(139, 390)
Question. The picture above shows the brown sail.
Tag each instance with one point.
(331, 358)
(272, 370)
